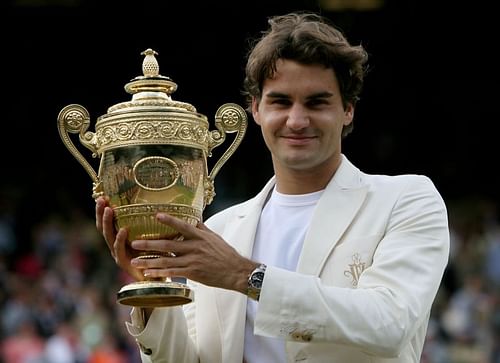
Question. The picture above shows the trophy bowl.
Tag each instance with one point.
(153, 154)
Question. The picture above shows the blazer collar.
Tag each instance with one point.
(335, 211)
(257, 202)
(347, 176)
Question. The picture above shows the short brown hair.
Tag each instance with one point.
(307, 38)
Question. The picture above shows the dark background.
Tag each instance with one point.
(428, 107)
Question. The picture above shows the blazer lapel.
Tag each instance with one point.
(241, 228)
(335, 211)
(231, 306)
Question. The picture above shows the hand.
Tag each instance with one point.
(202, 256)
(117, 242)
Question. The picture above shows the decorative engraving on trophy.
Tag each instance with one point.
(230, 118)
(147, 102)
(74, 121)
(155, 173)
(135, 215)
(145, 130)
(355, 269)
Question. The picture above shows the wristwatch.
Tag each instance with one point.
(255, 282)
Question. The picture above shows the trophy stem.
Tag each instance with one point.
(141, 222)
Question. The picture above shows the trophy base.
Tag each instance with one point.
(151, 294)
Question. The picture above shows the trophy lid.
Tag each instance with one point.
(151, 117)
(151, 89)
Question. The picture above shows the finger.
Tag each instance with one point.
(169, 247)
(100, 204)
(161, 266)
(158, 269)
(203, 227)
(156, 263)
(108, 227)
(158, 272)
(184, 228)
(121, 255)
(119, 245)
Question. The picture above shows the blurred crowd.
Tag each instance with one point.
(465, 321)
(58, 287)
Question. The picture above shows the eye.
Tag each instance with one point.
(317, 102)
(281, 101)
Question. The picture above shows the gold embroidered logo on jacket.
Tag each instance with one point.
(355, 269)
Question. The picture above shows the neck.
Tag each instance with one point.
(294, 181)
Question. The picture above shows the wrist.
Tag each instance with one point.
(243, 275)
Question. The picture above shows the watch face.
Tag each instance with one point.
(256, 279)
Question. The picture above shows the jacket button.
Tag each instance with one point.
(296, 335)
(307, 337)
(301, 336)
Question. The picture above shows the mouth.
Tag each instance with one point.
(298, 139)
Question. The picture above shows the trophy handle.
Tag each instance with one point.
(229, 118)
(76, 120)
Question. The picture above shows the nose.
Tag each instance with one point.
(298, 118)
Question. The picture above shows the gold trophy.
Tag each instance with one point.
(153, 158)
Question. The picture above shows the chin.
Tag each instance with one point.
(299, 165)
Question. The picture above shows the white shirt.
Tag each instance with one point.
(278, 242)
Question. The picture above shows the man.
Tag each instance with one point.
(326, 263)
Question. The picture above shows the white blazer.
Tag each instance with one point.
(368, 273)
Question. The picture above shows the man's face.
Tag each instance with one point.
(301, 116)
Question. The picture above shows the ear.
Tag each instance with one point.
(255, 110)
(349, 114)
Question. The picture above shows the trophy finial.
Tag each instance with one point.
(141, 87)
(150, 67)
